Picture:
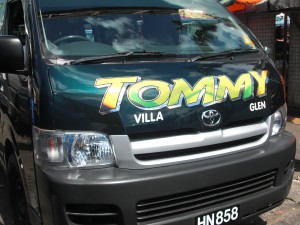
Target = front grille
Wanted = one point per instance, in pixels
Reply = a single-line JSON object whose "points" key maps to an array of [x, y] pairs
{"points": [[192, 151], [160, 134], [94, 214], [162, 207], [168, 150]]}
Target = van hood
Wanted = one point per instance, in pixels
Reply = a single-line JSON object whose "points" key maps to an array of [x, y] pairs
{"points": [[152, 98]]}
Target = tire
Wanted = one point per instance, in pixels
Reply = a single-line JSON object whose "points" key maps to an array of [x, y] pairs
{"points": [[17, 193]]}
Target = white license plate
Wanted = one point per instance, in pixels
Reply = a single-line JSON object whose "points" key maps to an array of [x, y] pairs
{"points": [[224, 216]]}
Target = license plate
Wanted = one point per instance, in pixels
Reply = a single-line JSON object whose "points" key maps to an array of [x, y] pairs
{"points": [[223, 216]]}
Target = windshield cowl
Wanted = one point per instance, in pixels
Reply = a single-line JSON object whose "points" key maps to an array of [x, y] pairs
{"points": [[123, 56], [229, 53]]}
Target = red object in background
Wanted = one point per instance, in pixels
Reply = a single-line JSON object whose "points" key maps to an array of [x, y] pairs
{"points": [[241, 5], [248, 1]]}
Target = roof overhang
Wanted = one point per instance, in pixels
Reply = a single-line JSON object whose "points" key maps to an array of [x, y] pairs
{"points": [[259, 5], [284, 4]]}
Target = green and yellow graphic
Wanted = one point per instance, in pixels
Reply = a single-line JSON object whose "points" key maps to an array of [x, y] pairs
{"points": [[208, 90]]}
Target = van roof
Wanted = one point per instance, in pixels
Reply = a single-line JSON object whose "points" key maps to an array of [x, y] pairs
{"points": [[58, 5]]}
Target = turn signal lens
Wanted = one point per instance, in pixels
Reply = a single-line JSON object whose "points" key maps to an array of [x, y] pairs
{"points": [[279, 120]]}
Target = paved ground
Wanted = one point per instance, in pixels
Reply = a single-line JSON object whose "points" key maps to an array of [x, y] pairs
{"points": [[287, 214]]}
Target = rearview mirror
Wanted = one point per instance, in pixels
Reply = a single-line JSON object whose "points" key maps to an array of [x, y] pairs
{"points": [[11, 54]]}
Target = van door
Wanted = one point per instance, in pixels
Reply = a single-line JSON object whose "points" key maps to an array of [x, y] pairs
{"points": [[17, 122], [3, 101]]}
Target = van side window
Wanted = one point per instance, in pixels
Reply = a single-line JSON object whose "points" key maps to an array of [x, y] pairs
{"points": [[2, 13], [16, 24], [16, 20]]}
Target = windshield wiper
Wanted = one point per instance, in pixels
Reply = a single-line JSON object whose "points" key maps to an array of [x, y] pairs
{"points": [[120, 56], [223, 54]]}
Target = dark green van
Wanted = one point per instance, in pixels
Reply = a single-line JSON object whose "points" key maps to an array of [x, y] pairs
{"points": [[138, 112]]}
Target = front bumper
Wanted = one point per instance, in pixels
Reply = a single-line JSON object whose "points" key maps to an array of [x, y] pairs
{"points": [[74, 196]]}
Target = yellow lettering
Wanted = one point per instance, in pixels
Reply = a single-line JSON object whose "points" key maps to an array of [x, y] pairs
{"points": [[116, 88], [244, 84], [203, 89], [158, 100], [262, 81]]}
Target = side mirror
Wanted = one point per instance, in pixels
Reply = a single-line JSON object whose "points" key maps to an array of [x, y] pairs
{"points": [[268, 51], [11, 54]]}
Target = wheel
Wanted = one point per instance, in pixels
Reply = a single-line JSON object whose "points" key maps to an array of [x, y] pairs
{"points": [[70, 38], [17, 193]]}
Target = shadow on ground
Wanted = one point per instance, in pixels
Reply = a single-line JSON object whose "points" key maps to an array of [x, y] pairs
{"points": [[255, 221]]}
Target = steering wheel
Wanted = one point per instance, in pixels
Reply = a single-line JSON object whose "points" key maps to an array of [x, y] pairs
{"points": [[70, 38]]}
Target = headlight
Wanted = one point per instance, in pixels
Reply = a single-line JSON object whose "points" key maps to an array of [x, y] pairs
{"points": [[72, 149], [279, 120]]}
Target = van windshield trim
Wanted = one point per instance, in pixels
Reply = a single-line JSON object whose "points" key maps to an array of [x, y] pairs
{"points": [[95, 12]]}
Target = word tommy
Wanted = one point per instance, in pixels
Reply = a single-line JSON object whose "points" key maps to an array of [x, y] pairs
{"points": [[206, 91]]}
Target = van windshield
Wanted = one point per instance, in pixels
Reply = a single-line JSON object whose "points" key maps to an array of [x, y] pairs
{"points": [[185, 29]]}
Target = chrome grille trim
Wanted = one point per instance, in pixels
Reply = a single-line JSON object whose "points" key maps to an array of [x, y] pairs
{"points": [[197, 140], [125, 149]]}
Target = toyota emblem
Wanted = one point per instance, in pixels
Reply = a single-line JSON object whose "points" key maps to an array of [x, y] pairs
{"points": [[211, 118]]}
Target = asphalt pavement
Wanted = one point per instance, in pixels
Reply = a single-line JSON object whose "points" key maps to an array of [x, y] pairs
{"points": [[289, 212], [286, 214]]}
